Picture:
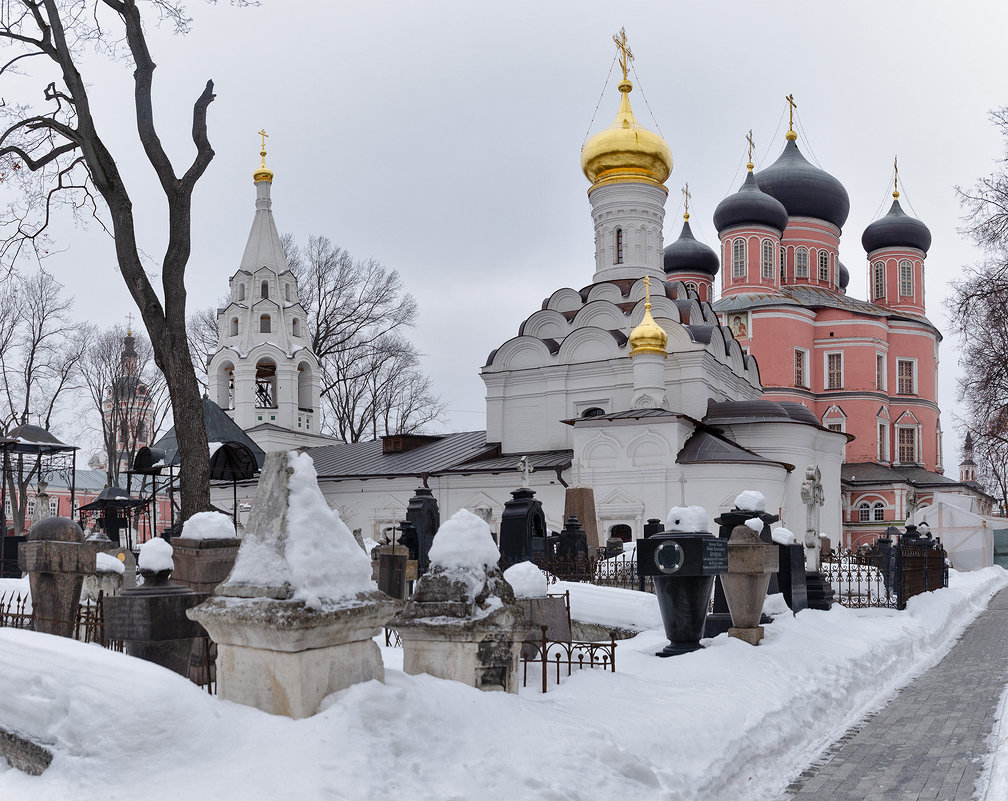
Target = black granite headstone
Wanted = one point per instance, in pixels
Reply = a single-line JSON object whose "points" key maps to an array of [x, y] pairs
{"points": [[522, 522], [791, 578], [422, 511]]}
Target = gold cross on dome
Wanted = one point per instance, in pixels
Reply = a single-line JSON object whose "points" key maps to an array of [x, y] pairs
{"points": [[262, 152], [752, 144], [625, 55], [647, 291], [687, 196], [129, 324], [793, 105], [895, 179]]}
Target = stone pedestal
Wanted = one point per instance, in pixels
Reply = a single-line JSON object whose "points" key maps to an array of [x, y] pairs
{"points": [[447, 634], [151, 620], [56, 559], [751, 563], [579, 502], [283, 658], [203, 564], [720, 620]]}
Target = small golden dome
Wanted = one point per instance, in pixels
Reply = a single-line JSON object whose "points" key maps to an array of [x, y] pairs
{"points": [[626, 151], [262, 173], [648, 337]]}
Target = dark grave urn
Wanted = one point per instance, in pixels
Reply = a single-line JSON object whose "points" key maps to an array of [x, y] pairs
{"points": [[683, 567], [751, 563], [422, 511], [523, 528], [720, 620], [56, 558], [151, 620]]}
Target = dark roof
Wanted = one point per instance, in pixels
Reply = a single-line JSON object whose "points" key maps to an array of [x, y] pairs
{"points": [[547, 460], [750, 205], [707, 447], [762, 411], [815, 297], [34, 439], [219, 428], [353, 459], [896, 229], [805, 190], [857, 473], [631, 414], [687, 254]]}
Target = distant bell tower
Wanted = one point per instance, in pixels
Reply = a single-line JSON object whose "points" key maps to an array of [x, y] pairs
{"points": [[264, 373], [967, 467], [127, 406]]}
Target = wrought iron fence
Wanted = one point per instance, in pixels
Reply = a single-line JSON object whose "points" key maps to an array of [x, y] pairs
{"points": [[614, 571], [556, 654], [887, 575], [87, 625]]}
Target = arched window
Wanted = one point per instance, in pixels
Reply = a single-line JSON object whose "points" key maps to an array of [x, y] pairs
{"points": [[265, 388], [906, 279], [287, 295], [768, 250], [621, 531], [619, 246], [801, 263], [296, 327], [54, 506], [878, 511], [878, 280], [738, 258], [241, 291], [264, 290], [594, 411], [30, 507], [234, 326], [823, 265], [783, 261], [864, 512], [305, 403], [691, 285], [264, 324]]}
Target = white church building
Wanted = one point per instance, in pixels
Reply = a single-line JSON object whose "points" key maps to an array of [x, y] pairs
{"points": [[628, 386]]}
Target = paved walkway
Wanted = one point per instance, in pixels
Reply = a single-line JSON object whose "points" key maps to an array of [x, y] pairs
{"points": [[930, 740]]}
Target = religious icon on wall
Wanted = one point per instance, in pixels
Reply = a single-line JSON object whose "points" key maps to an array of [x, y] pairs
{"points": [[739, 325]]}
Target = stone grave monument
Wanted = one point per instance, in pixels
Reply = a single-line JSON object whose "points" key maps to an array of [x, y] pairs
{"points": [[205, 551], [151, 619], [820, 593], [523, 524], [579, 502], [294, 620], [422, 511], [57, 559], [751, 564], [107, 579], [462, 622]]}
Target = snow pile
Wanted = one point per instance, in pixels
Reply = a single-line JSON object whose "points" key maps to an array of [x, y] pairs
{"points": [[106, 563], [755, 524], [745, 721], [686, 519], [324, 558], [527, 580], [156, 555], [993, 782], [369, 545], [611, 606], [209, 526], [464, 550], [783, 536], [751, 501], [776, 605]]}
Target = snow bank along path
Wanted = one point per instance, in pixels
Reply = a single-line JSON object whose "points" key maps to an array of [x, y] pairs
{"points": [[728, 722]]}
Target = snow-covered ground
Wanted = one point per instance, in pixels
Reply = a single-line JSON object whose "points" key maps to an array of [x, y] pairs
{"points": [[728, 722]]}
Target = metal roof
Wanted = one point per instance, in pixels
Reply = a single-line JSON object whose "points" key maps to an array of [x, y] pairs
{"points": [[219, 428], [353, 459], [547, 460], [706, 446], [874, 473], [631, 414]]}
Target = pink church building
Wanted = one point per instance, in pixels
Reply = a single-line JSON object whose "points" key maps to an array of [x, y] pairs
{"points": [[868, 368]]}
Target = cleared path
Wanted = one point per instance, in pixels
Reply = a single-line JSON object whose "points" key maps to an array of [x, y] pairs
{"points": [[930, 740]]}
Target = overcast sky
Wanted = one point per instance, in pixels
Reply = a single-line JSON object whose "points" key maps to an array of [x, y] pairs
{"points": [[444, 139]]}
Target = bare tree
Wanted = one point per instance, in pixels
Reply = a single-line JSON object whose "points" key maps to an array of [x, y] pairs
{"points": [[127, 394], [372, 383], [40, 348], [203, 340], [70, 164], [978, 308]]}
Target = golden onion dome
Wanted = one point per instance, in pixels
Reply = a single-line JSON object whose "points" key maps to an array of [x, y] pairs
{"points": [[626, 151], [263, 173], [648, 337]]}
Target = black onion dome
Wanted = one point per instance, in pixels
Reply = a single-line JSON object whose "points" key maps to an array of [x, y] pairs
{"points": [[688, 254], [805, 190], [844, 278], [750, 205], [896, 229]]}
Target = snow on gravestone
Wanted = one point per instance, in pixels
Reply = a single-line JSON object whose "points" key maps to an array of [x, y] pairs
{"points": [[208, 526], [156, 556], [751, 501], [686, 519], [295, 546], [464, 550]]}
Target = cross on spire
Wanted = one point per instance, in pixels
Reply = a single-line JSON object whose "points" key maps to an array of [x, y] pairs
{"points": [[687, 196], [895, 180], [129, 324], [793, 105], [262, 153], [752, 144], [625, 56], [647, 291]]}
